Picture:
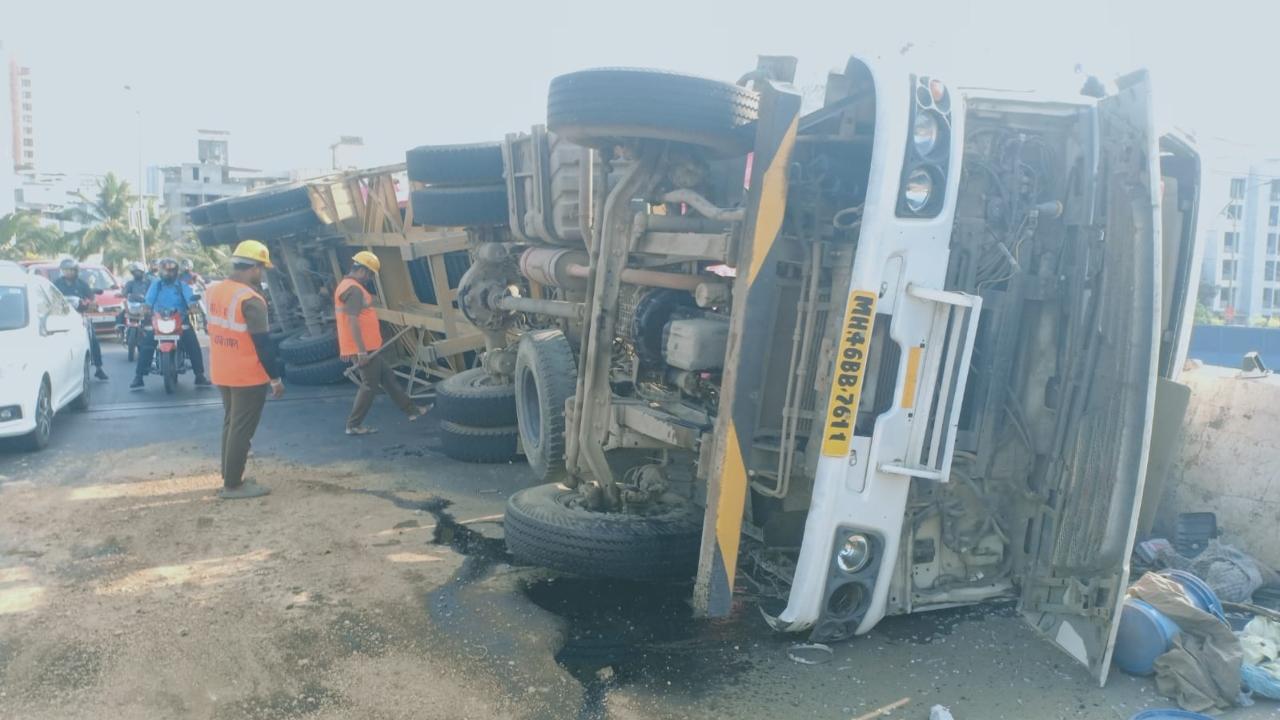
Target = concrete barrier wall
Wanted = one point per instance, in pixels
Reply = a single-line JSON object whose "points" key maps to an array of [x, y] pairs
{"points": [[1229, 460], [1225, 345]]}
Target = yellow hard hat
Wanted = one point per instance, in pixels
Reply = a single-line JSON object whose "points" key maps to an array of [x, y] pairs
{"points": [[367, 259], [253, 250]]}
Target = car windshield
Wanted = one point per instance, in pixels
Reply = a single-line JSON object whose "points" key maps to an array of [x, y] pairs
{"points": [[13, 308], [97, 278]]}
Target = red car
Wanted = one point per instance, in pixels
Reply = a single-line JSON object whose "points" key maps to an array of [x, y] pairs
{"points": [[98, 277]]}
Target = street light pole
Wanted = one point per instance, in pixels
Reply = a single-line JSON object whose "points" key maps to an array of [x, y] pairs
{"points": [[141, 211]]}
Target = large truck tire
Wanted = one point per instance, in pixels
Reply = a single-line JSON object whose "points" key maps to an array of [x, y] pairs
{"points": [[218, 212], [460, 206], [598, 107], [277, 226], [258, 205], [479, 444], [546, 377], [198, 215], [224, 234], [303, 349], [474, 164], [476, 398], [544, 527], [325, 372]]}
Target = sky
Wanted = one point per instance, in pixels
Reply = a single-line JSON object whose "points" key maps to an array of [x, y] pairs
{"points": [[287, 78]]}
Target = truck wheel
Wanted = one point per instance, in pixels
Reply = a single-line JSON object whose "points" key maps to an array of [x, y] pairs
{"points": [[460, 206], [224, 234], [596, 108], [474, 164], [217, 212], [255, 206], [304, 349], [545, 526], [325, 372], [476, 398], [479, 444], [198, 215], [546, 377], [277, 226]]}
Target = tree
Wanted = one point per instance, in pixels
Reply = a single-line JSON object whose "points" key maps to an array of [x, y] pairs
{"points": [[106, 217], [23, 237]]}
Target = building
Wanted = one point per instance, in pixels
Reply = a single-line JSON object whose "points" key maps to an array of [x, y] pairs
{"points": [[1240, 226], [10, 128], [21, 116], [52, 194], [209, 178]]}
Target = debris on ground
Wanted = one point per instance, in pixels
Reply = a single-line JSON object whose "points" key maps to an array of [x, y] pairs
{"points": [[939, 712]]}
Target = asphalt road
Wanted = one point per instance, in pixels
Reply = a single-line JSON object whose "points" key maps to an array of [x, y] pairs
{"points": [[634, 650]]}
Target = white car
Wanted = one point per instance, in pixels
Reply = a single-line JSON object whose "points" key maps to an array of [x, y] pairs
{"points": [[44, 360]]}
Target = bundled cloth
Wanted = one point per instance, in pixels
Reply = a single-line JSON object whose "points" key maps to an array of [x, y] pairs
{"points": [[1202, 670], [1232, 573]]}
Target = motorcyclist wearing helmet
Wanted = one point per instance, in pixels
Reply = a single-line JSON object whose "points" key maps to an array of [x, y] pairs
{"points": [[69, 283], [134, 290], [169, 294]]}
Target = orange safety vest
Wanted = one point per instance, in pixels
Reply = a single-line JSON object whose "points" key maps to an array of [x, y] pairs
{"points": [[233, 358], [370, 332]]}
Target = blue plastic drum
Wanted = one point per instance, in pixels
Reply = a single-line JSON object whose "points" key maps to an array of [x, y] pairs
{"points": [[1145, 634], [1198, 590]]}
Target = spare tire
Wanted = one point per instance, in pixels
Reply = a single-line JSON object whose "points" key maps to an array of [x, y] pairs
{"points": [[476, 398], [460, 206], [277, 226], [302, 349], [598, 107], [205, 236], [474, 164], [544, 526], [269, 202], [479, 444], [325, 372], [546, 377]]}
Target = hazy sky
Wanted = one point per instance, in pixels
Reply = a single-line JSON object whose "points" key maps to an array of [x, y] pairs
{"points": [[286, 78]]}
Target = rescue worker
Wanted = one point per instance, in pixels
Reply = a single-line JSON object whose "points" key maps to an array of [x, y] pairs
{"points": [[70, 284], [359, 338], [168, 294], [243, 362]]}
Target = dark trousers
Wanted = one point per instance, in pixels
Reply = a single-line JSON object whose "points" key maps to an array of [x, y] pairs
{"points": [[95, 350], [187, 341], [241, 411], [374, 375]]}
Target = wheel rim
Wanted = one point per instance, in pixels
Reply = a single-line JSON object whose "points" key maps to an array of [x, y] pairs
{"points": [[44, 413], [531, 409]]}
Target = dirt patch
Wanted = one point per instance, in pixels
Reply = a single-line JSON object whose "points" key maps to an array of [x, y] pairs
{"points": [[143, 596]]}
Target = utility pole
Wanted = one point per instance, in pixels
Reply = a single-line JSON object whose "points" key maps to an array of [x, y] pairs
{"points": [[140, 209]]}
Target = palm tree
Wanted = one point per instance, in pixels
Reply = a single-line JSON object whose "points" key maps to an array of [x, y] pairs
{"points": [[24, 237], [106, 216]]}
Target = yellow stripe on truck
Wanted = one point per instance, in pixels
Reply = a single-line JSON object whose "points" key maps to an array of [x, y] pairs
{"points": [[851, 366], [733, 498], [773, 203], [913, 376]]}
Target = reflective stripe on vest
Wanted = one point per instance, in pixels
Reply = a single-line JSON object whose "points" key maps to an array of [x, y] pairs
{"points": [[233, 358], [367, 320]]}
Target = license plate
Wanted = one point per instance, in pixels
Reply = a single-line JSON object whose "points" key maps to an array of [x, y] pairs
{"points": [[851, 365]]}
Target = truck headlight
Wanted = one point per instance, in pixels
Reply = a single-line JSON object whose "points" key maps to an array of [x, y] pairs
{"points": [[925, 133], [917, 190], [854, 554]]}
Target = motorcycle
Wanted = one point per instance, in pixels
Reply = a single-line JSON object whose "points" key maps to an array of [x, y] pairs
{"points": [[168, 355], [130, 333]]}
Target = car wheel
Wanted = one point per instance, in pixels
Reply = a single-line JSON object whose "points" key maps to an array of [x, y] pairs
{"points": [[597, 108], [38, 439], [548, 527], [546, 377], [81, 402]]}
